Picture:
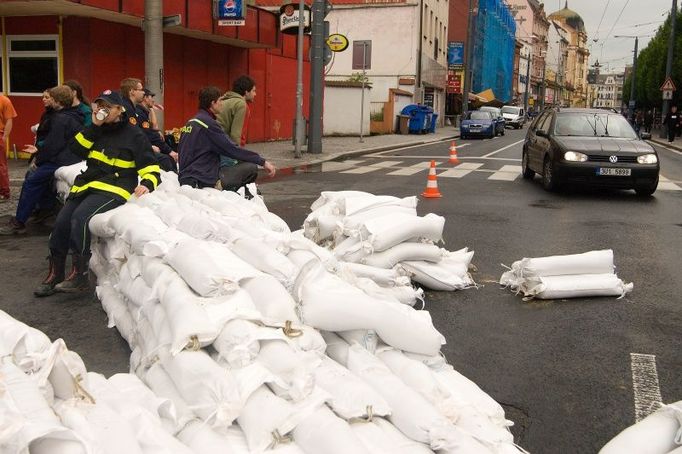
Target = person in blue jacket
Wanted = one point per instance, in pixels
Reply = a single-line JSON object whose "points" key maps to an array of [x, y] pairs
{"points": [[203, 141]]}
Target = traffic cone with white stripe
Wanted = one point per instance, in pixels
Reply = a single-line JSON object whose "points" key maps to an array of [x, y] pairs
{"points": [[431, 190], [453, 153]]}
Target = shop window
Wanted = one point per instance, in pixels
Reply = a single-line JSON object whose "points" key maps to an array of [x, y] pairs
{"points": [[33, 63]]}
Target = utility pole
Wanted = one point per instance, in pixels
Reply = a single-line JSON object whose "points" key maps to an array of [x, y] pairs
{"points": [[669, 62], [153, 51], [318, 12], [525, 95], [631, 104], [300, 123], [468, 74]]}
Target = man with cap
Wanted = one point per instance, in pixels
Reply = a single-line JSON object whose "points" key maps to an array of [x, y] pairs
{"points": [[147, 105], [117, 154]]}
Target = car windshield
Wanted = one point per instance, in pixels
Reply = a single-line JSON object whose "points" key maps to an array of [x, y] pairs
{"points": [[593, 124], [478, 115], [510, 110], [493, 110]]}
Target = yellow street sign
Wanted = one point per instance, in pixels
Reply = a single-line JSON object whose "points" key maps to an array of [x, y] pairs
{"points": [[337, 42]]}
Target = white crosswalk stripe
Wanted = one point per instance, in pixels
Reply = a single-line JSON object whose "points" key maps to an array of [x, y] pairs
{"points": [[506, 173], [667, 185], [416, 168], [333, 166], [461, 170], [372, 167]]}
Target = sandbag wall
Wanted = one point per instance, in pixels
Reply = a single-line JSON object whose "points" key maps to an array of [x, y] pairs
{"points": [[244, 324]]}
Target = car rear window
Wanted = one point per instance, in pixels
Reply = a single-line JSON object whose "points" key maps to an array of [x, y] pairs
{"points": [[510, 110], [479, 115], [593, 124]]}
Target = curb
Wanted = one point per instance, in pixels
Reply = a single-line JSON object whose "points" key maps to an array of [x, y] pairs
{"points": [[289, 170], [666, 144]]}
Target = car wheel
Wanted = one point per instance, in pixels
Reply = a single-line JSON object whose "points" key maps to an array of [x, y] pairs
{"points": [[647, 189], [526, 171], [549, 180]]}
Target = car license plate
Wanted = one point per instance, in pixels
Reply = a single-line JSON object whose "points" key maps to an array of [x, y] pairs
{"points": [[614, 172], [475, 129]]}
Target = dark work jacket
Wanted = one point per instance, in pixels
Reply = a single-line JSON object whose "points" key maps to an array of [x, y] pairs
{"points": [[672, 120], [202, 142], [139, 117], [44, 126], [117, 154], [53, 146]]}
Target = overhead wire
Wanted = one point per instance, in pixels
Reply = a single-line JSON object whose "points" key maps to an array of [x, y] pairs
{"points": [[602, 18]]}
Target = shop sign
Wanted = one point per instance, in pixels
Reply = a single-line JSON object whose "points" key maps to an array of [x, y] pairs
{"points": [[288, 19], [230, 12]]}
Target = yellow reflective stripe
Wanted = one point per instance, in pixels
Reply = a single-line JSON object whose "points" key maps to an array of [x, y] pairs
{"points": [[99, 156], [83, 141], [148, 169], [103, 187], [151, 177], [200, 122]]}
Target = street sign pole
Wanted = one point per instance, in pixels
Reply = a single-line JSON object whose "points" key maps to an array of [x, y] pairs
{"points": [[362, 95], [299, 82]]}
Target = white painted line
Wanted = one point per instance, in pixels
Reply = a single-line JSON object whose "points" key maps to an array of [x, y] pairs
{"points": [[669, 149], [416, 168], [503, 148], [373, 167], [461, 170], [332, 166], [459, 157], [666, 185], [382, 153], [645, 384], [506, 173]]}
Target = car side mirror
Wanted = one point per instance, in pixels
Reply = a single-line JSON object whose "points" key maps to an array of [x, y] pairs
{"points": [[645, 136], [541, 133]]}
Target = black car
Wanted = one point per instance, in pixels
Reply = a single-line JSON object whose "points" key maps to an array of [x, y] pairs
{"points": [[588, 146]]}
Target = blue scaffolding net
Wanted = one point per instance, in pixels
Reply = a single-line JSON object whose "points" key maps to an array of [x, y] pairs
{"points": [[493, 54]]}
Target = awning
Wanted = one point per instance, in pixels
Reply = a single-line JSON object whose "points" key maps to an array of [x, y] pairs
{"points": [[489, 98]]}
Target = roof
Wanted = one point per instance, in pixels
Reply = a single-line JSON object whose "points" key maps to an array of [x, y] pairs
{"points": [[571, 18]]}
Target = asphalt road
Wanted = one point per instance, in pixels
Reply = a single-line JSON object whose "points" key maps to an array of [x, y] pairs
{"points": [[562, 369]]}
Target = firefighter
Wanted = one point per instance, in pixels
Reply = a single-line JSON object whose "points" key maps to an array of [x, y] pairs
{"points": [[117, 154]]}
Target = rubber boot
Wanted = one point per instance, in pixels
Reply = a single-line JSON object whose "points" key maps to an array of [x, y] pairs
{"points": [[77, 281], [54, 276]]}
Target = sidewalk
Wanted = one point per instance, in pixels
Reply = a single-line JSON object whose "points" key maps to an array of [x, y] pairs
{"points": [[281, 153], [658, 140]]}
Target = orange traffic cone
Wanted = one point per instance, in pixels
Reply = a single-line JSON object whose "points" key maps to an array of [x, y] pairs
{"points": [[453, 153], [431, 190]]}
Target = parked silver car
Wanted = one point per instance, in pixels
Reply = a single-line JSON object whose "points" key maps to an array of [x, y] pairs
{"points": [[515, 116]]}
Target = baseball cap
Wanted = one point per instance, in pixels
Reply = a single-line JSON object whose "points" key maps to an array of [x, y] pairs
{"points": [[148, 92], [112, 97]]}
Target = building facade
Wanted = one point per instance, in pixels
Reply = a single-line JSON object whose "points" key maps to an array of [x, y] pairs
{"points": [[608, 91], [100, 42], [555, 72]]}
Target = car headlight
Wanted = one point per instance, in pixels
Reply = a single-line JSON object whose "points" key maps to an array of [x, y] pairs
{"points": [[575, 156], [647, 159], [465, 126]]}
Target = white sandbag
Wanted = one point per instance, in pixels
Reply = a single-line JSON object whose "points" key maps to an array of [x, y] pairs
{"points": [[209, 390], [266, 259], [445, 275], [210, 268], [271, 299], [387, 231], [351, 225], [203, 439], [658, 433], [592, 262], [403, 252], [366, 338], [355, 205], [406, 294], [222, 309], [205, 226], [294, 368], [100, 224], [329, 303], [381, 437], [162, 385], [21, 342], [238, 344], [351, 250], [297, 242], [117, 311], [64, 370], [137, 225], [373, 290], [383, 277], [334, 196], [575, 286], [323, 432], [65, 176], [351, 398]]}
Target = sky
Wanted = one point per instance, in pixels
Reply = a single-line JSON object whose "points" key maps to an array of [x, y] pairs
{"points": [[605, 19]]}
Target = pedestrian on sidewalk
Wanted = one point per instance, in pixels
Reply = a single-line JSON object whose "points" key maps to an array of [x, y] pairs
{"points": [[117, 153], [203, 142], [49, 153], [648, 121], [7, 116], [234, 119], [672, 122]]}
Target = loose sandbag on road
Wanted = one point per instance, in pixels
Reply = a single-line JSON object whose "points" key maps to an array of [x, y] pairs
{"points": [[403, 252], [387, 231], [575, 286]]}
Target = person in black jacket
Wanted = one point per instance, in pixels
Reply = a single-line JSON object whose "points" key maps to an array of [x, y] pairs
{"points": [[672, 122], [117, 154], [203, 141], [50, 152]]}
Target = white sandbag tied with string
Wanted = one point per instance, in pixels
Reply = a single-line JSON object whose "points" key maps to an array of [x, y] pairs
{"points": [[266, 259], [24, 344], [381, 437], [404, 252], [575, 286], [64, 178], [451, 273], [383, 277], [381, 233], [660, 432]]}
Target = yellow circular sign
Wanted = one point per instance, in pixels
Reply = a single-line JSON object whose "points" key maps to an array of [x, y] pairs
{"points": [[337, 42]]}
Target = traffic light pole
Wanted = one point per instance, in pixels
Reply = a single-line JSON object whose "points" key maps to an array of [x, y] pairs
{"points": [[318, 12], [669, 63]]}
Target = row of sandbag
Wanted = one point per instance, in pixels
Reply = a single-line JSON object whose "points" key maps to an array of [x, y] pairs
{"points": [[257, 348], [566, 276], [385, 232]]}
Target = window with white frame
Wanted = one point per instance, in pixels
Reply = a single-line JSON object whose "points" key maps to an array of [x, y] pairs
{"points": [[32, 63]]}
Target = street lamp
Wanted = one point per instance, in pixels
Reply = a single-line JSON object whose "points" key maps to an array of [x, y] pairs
{"points": [[631, 104]]}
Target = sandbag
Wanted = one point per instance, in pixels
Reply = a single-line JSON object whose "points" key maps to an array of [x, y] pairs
{"points": [[21, 342], [402, 252], [294, 368], [381, 437], [203, 439], [238, 343], [334, 196], [323, 432], [658, 433], [266, 259], [575, 286], [271, 299], [117, 311], [446, 275], [162, 385], [383, 277], [387, 231]]}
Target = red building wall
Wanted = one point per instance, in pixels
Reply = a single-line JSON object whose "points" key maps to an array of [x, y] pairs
{"points": [[99, 54]]}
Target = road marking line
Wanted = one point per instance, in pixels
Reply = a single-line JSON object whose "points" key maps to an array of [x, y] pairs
{"points": [[506, 173], [461, 170], [669, 149], [458, 157], [372, 167], [667, 185], [332, 166], [503, 148], [382, 153], [416, 168], [645, 384]]}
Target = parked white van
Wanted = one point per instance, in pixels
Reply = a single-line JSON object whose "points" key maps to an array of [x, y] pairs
{"points": [[515, 116]]}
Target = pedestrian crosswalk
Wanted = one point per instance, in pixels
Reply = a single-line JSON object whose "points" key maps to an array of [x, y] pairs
{"points": [[489, 169]]}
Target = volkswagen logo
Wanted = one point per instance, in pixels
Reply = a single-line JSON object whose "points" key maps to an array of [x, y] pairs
{"points": [[613, 159]]}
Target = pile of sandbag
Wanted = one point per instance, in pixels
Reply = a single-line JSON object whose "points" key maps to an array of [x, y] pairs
{"points": [[373, 235], [566, 276], [658, 433], [64, 178], [247, 326]]}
